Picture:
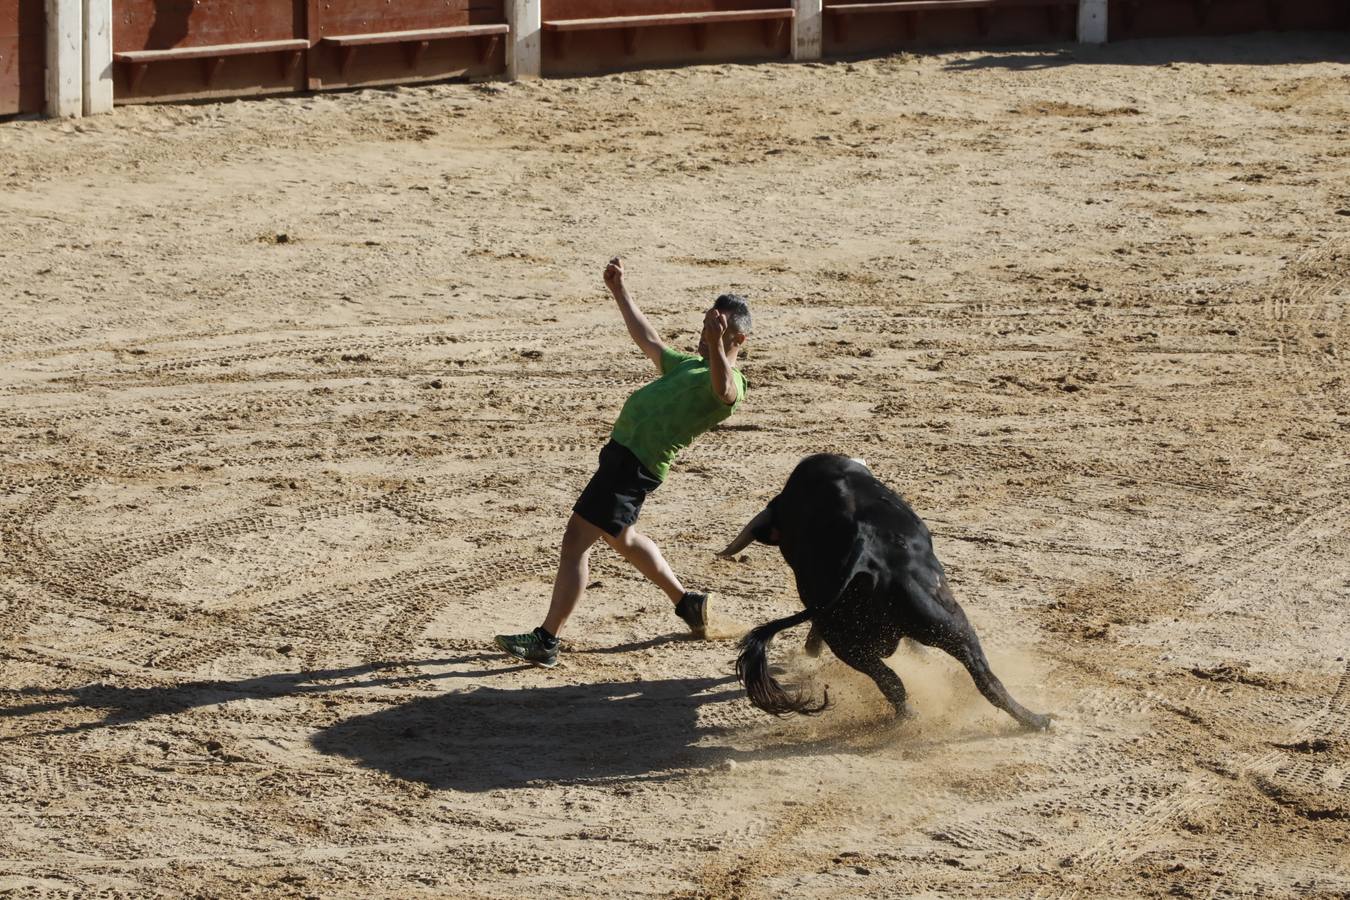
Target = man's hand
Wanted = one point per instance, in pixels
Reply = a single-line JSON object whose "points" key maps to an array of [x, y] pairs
{"points": [[714, 326], [614, 274]]}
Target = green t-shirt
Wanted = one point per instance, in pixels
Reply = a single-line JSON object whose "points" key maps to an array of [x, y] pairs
{"points": [[663, 417]]}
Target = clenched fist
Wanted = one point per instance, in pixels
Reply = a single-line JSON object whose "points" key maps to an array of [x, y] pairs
{"points": [[614, 274], [714, 326]]}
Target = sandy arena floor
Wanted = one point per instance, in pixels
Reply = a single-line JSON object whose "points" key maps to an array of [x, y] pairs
{"points": [[296, 396]]}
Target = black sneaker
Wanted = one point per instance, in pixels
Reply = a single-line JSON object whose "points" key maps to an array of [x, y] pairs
{"points": [[529, 647], [693, 609]]}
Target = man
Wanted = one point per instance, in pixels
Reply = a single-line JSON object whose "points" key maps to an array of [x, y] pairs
{"points": [[693, 394]]}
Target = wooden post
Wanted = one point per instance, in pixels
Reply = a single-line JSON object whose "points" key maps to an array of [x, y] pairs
{"points": [[65, 67], [314, 55], [808, 30], [98, 60], [1092, 21], [525, 43]]}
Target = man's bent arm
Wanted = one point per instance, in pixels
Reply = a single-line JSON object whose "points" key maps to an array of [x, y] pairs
{"points": [[723, 382], [723, 379]]}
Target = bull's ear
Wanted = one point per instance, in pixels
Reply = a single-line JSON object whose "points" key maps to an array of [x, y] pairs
{"points": [[762, 527]]}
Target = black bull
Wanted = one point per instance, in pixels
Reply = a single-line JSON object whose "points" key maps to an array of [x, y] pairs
{"points": [[867, 574]]}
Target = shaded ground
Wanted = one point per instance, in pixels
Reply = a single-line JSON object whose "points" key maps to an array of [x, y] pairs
{"points": [[296, 395]]}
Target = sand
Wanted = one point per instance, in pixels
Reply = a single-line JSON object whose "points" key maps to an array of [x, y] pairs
{"points": [[296, 394]]}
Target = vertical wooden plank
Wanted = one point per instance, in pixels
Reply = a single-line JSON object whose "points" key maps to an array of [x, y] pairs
{"points": [[808, 29], [65, 63], [524, 45], [1092, 21], [313, 31], [98, 61]]}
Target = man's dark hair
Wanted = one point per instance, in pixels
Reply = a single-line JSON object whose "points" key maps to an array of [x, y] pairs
{"points": [[737, 310]]}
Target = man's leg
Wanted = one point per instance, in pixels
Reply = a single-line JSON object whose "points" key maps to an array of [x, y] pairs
{"points": [[574, 569], [541, 645], [646, 557]]}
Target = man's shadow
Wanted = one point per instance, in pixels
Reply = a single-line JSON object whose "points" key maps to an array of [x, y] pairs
{"points": [[127, 705], [474, 739], [485, 739]]}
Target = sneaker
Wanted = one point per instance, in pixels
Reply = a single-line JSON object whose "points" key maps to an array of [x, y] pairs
{"points": [[529, 647], [693, 609]]}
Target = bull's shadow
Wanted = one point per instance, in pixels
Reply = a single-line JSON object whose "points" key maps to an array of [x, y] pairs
{"points": [[488, 738]]}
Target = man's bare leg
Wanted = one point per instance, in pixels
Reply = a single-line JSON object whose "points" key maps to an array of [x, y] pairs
{"points": [[646, 557], [574, 567]]}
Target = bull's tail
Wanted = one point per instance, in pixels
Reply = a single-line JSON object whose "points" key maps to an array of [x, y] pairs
{"points": [[752, 666]]}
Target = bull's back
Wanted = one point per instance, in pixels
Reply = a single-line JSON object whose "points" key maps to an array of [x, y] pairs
{"points": [[828, 496]]}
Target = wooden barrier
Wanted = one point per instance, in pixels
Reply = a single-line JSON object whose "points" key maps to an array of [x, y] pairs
{"points": [[69, 57], [180, 49], [23, 56], [596, 35], [357, 42], [177, 49], [904, 23], [1170, 18]]}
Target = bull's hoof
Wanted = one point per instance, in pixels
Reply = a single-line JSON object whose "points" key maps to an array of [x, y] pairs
{"points": [[1038, 722]]}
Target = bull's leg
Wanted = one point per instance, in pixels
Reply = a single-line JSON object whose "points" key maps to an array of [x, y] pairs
{"points": [[871, 665], [936, 619], [965, 646], [813, 642]]}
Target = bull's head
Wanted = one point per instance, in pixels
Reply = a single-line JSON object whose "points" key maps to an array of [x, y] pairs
{"points": [[760, 528]]}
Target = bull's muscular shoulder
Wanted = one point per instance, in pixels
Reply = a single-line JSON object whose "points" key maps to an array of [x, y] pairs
{"points": [[825, 465], [816, 478], [827, 492]]}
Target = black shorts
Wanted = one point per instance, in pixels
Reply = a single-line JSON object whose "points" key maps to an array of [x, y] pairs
{"points": [[613, 498]]}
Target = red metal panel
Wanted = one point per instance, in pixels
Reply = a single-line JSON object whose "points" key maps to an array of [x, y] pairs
{"points": [[23, 56], [331, 66], [604, 9], [1006, 22], [1176, 18], [181, 24], [164, 24], [603, 50], [371, 16]]}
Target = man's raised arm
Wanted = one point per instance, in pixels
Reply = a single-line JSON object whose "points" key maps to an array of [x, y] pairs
{"points": [[639, 329]]}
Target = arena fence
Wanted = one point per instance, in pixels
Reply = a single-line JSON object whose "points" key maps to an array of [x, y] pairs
{"points": [[23, 56], [74, 57]]}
